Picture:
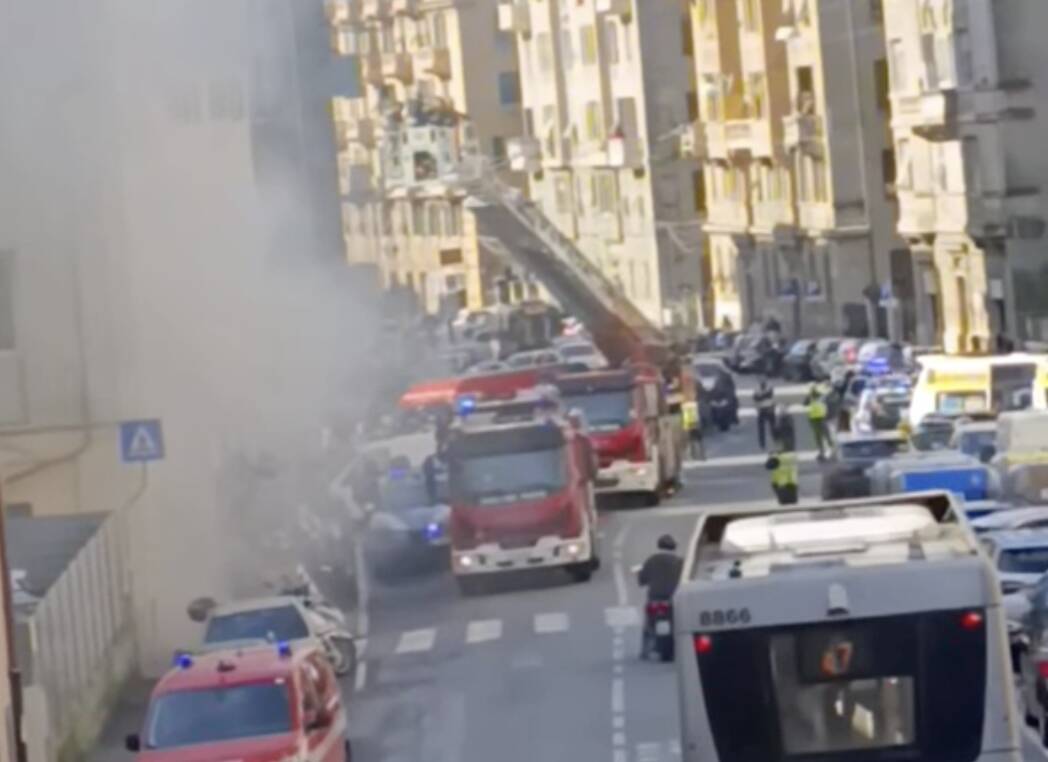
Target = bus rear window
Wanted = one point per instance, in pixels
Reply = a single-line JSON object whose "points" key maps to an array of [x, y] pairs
{"points": [[959, 403]]}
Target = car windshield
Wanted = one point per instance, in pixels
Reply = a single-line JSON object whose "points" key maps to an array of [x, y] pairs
{"points": [[872, 351], [272, 624], [1023, 560], [495, 479], [975, 442], [800, 348], [189, 718], [604, 411], [404, 494], [960, 403], [522, 361]]}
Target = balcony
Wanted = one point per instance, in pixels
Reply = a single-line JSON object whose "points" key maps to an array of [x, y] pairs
{"points": [[802, 132], [374, 10], [750, 137], [625, 152], [609, 226], [404, 8], [397, 66], [728, 215], [359, 131], [435, 61], [622, 8], [916, 213], [693, 142], [342, 12], [975, 215], [515, 17], [775, 217], [816, 215], [932, 115], [525, 154], [354, 176]]}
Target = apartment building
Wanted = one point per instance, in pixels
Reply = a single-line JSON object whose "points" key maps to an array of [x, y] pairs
{"points": [[607, 87], [793, 133], [439, 81], [967, 77]]}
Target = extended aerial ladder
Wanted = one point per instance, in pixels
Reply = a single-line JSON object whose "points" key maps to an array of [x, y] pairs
{"points": [[511, 226]]}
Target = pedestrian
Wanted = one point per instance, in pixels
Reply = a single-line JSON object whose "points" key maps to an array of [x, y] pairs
{"points": [[689, 411], [816, 404], [764, 399], [785, 434], [783, 467]]}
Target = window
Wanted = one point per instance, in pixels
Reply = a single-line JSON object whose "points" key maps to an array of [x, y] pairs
{"points": [[877, 12], [509, 88], [698, 182], [818, 169], [904, 160], [418, 219], [805, 90], [606, 193], [544, 45], [757, 96], [440, 30], [594, 122], [687, 41], [588, 44], [750, 15], [972, 166], [562, 192], [944, 60], [931, 70], [881, 85], [963, 43], [435, 222], [898, 65], [888, 170], [692, 100], [567, 48], [611, 40]]}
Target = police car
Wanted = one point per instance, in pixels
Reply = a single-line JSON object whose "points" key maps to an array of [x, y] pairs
{"points": [[859, 630]]}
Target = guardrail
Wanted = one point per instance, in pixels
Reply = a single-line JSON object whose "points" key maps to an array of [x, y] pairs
{"points": [[79, 646]]}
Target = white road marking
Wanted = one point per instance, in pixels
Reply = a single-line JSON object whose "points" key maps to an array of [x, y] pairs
{"points": [[675, 747], [1034, 739], [484, 630], [618, 722], [650, 751], [743, 460], [617, 669], [619, 755], [618, 696], [361, 678], [525, 660], [551, 622], [620, 537], [622, 593], [618, 738], [751, 412], [622, 616], [416, 641]]}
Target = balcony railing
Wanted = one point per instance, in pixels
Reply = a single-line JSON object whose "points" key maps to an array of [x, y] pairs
{"points": [[802, 131], [728, 214], [435, 61], [374, 10], [525, 154], [693, 142], [372, 68], [360, 131], [748, 136], [623, 8], [515, 17], [404, 8]]}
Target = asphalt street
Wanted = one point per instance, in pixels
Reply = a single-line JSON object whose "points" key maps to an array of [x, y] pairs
{"points": [[541, 668]]}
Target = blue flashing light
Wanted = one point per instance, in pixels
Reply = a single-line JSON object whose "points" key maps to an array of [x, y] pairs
{"points": [[465, 405], [284, 649], [434, 531], [398, 474], [183, 661]]}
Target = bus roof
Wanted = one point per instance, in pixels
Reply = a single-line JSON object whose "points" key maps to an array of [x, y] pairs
{"points": [[898, 529]]}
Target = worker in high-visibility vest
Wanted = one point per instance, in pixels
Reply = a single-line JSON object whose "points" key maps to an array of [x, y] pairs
{"points": [[689, 414], [783, 467], [817, 412]]}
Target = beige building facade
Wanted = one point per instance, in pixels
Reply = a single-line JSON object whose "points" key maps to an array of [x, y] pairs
{"points": [[793, 134], [608, 86], [967, 79], [438, 82]]}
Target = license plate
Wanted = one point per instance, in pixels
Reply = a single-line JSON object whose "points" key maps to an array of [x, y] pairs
{"points": [[662, 628]]}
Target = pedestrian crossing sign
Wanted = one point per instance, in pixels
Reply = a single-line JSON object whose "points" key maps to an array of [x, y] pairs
{"points": [[141, 441]]}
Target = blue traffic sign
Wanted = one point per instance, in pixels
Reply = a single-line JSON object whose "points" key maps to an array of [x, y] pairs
{"points": [[141, 441]]}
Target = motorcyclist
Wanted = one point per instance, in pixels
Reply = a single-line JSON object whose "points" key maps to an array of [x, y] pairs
{"points": [[660, 574]]}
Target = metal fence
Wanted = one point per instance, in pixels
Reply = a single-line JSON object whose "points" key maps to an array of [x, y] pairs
{"points": [[80, 645]]}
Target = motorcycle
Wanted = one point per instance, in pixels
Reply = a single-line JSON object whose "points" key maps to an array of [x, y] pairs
{"points": [[658, 630], [329, 623], [721, 413]]}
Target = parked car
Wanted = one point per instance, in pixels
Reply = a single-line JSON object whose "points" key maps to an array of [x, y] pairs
{"points": [[879, 357], [881, 408], [852, 455], [935, 432], [742, 345], [796, 365], [1032, 517], [975, 438], [821, 361], [487, 366], [718, 392], [583, 353], [535, 358], [1027, 611]]}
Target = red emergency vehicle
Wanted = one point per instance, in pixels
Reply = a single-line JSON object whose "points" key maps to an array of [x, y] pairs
{"points": [[522, 497], [635, 431], [262, 703], [489, 386]]}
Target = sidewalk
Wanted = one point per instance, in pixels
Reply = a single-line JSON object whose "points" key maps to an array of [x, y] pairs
{"points": [[126, 717]]}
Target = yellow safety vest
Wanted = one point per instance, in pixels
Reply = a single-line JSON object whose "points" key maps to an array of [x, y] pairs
{"points": [[785, 474], [689, 413], [817, 409]]}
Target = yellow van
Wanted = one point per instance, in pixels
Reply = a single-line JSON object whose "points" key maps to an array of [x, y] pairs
{"points": [[956, 386]]}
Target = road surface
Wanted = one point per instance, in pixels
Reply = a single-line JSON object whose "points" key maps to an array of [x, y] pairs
{"points": [[542, 668]]}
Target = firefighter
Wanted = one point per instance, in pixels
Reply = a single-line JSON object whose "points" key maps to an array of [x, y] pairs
{"points": [[689, 414], [817, 412], [783, 467]]}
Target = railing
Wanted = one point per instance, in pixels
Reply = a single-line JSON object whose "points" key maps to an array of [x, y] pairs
{"points": [[80, 645]]}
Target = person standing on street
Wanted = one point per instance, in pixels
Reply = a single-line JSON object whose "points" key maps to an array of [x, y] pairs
{"points": [[764, 399], [783, 467], [689, 412], [817, 411], [785, 435]]}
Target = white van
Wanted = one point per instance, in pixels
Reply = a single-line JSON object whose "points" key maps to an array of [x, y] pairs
{"points": [[858, 630], [956, 386]]}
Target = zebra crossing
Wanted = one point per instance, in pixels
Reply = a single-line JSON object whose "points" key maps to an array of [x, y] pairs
{"points": [[480, 631]]}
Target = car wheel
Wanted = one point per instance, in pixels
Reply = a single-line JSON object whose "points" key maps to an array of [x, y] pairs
{"points": [[581, 572], [652, 499], [344, 652]]}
